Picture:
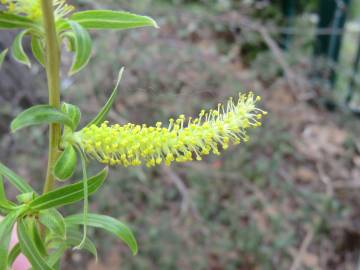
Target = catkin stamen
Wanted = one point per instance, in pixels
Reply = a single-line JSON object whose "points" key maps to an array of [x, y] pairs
{"points": [[139, 144], [32, 8]]}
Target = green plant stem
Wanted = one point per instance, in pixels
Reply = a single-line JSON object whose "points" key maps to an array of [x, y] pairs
{"points": [[53, 78]]}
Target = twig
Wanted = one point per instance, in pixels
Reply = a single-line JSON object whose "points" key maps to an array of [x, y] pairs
{"points": [[295, 82], [279, 57], [186, 203], [303, 250], [325, 179], [275, 49], [355, 184]]}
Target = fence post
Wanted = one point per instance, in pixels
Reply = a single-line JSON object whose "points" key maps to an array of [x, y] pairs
{"points": [[352, 83], [288, 9], [332, 16]]}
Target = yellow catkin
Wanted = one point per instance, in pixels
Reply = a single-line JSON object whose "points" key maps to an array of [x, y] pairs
{"points": [[32, 8], [182, 140]]}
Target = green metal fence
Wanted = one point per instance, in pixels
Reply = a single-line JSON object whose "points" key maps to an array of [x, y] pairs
{"points": [[333, 15]]}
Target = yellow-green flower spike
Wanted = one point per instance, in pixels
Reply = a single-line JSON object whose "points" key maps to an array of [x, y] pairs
{"points": [[32, 8], [183, 140]]}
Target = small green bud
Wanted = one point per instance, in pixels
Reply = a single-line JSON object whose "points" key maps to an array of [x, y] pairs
{"points": [[73, 112], [25, 197]]}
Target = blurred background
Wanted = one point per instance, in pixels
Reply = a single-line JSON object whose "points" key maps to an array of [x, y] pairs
{"points": [[288, 199]]}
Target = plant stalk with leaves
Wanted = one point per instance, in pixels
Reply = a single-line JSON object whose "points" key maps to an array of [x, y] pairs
{"points": [[44, 234]]}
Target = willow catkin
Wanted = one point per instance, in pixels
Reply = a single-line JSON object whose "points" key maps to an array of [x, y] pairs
{"points": [[182, 140]]}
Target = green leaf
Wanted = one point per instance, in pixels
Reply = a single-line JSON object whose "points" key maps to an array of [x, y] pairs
{"points": [[73, 112], [12, 21], [40, 114], [68, 194], [6, 207], [55, 257], [38, 49], [66, 163], [2, 56], [6, 226], [29, 248], [15, 179], [86, 200], [108, 19], [109, 224], [69, 37], [101, 116], [5, 204], [14, 253], [83, 46], [2, 189], [73, 238], [35, 233], [17, 49], [54, 221]]}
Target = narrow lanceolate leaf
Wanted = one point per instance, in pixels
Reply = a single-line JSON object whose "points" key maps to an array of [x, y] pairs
{"points": [[109, 224], [40, 114], [101, 116], [14, 179], [83, 46], [54, 222], [35, 234], [6, 226], [5, 204], [56, 255], [14, 253], [108, 19], [86, 201], [38, 50], [65, 164], [2, 56], [68, 194], [17, 49], [29, 248], [2, 189], [73, 238], [12, 21], [69, 39]]}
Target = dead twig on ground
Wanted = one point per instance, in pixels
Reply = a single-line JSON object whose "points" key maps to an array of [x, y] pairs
{"points": [[187, 202], [300, 254], [325, 179], [355, 184], [297, 84]]}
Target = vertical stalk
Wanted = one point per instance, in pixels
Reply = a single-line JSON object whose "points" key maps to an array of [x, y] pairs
{"points": [[53, 78]]}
